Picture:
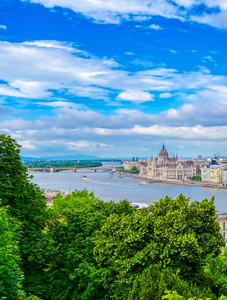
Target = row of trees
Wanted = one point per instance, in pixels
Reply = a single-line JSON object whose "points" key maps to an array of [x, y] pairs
{"points": [[84, 248], [63, 164], [134, 170]]}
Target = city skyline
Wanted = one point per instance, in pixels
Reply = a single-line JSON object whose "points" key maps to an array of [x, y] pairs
{"points": [[113, 78]]}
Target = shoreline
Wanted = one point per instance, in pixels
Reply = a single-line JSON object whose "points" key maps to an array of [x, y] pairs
{"points": [[177, 182]]}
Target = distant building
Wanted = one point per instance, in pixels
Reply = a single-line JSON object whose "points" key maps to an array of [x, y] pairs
{"points": [[199, 157], [216, 173], [128, 165], [222, 220], [135, 159], [205, 173], [164, 167], [224, 176]]}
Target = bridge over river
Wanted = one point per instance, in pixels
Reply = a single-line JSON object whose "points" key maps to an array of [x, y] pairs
{"points": [[53, 170]]}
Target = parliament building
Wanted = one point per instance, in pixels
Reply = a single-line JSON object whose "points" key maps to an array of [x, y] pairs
{"points": [[164, 167]]}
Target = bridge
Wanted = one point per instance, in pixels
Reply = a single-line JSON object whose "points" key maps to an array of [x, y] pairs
{"points": [[53, 170]]}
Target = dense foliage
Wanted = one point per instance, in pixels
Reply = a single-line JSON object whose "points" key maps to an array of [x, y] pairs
{"points": [[134, 170], [84, 248], [27, 206], [11, 275], [63, 164], [196, 178]]}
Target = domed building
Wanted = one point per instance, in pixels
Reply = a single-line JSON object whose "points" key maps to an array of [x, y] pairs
{"points": [[163, 154], [164, 167]]}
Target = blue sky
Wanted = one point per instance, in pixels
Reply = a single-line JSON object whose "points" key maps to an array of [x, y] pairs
{"points": [[114, 78]]}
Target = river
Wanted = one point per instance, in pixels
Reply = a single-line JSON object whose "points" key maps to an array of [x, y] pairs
{"points": [[117, 188]]}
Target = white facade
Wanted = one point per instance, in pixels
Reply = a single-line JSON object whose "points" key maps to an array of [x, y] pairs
{"points": [[128, 165], [222, 220], [167, 168], [205, 173], [224, 176], [216, 174]]}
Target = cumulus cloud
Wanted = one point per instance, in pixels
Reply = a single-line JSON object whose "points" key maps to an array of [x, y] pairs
{"points": [[27, 145], [74, 129], [155, 27], [10, 91], [3, 27], [135, 96], [38, 69], [165, 95], [84, 145], [114, 11]]}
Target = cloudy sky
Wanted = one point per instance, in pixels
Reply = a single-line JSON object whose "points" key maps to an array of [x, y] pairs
{"points": [[114, 78]]}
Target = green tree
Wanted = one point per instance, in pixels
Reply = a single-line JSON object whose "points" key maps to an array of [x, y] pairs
{"points": [[27, 204], [11, 276], [216, 272], [134, 170], [154, 281], [177, 234], [123, 249], [184, 234], [73, 271]]}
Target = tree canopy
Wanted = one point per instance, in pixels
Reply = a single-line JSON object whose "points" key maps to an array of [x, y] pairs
{"points": [[27, 205]]}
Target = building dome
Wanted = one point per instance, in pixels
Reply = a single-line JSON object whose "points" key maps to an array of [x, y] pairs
{"points": [[163, 154]]}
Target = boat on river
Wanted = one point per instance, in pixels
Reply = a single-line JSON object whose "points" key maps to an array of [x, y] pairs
{"points": [[143, 183]]}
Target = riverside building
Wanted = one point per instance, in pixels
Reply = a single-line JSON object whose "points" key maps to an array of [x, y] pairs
{"points": [[164, 167], [214, 174]]}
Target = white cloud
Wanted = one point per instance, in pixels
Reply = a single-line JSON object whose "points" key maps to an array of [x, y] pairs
{"points": [[10, 91], [114, 11], [173, 51], [135, 96], [72, 129], [3, 27], [84, 145], [59, 104], [165, 95], [182, 113], [26, 144], [155, 27], [183, 133], [34, 70]]}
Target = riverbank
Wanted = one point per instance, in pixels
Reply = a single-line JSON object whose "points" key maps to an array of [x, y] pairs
{"points": [[177, 182]]}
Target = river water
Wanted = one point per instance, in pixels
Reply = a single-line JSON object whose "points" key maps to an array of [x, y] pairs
{"points": [[117, 188]]}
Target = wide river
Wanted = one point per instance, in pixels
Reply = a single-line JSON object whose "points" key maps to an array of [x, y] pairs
{"points": [[117, 188]]}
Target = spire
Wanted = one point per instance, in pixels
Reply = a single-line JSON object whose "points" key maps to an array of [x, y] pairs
{"points": [[153, 157], [149, 155], [163, 146]]}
